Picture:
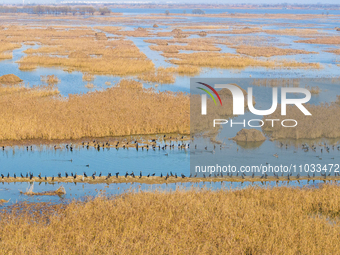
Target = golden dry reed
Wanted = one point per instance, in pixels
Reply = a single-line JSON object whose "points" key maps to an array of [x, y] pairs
{"points": [[268, 51], [49, 79], [76, 48], [279, 220], [5, 47], [227, 60], [167, 75], [125, 109]]}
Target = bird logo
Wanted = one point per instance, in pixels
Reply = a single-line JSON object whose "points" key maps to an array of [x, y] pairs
{"points": [[209, 93]]}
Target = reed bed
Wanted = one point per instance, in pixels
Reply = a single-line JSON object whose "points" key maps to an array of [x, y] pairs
{"points": [[322, 40], [293, 32], [276, 82], [268, 51], [9, 79], [250, 40], [161, 75], [324, 122], [49, 79], [4, 56], [315, 90], [217, 60], [334, 51], [167, 75], [88, 77], [280, 220], [124, 109], [89, 85], [5, 47], [177, 48], [138, 32], [78, 48]]}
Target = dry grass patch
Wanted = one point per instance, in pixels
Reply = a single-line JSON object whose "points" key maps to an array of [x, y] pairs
{"points": [[322, 40], [293, 32], [255, 51], [314, 90], [78, 48], [161, 75], [276, 82], [4, 56], [49, 79], [249, 221], [9, 78], [89, 86], [124, 109], [336, 51], [190, 46], [88, 77], [7, 46], [295, 64]]}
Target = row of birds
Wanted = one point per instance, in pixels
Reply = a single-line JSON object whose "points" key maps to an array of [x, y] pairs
{"points": [[243, 175], [324, 147], [84, 175]]}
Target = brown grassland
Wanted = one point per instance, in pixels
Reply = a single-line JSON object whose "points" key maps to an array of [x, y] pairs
{"points": [[124, 109], [279, 220]]}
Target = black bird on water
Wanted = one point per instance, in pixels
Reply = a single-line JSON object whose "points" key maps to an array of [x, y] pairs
{"points": [[126, 174], [8, 175], [66, 175], [39, 175], [117, 174], [153, 174], [53, 178], [182, 175], [45, 178], [14, 176], [161, 175], [75, 176], [59, 175], [100, 175], [148, 175], [140, 174], [21, 175], [133, 174], [2, 176], [85, 175]]}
